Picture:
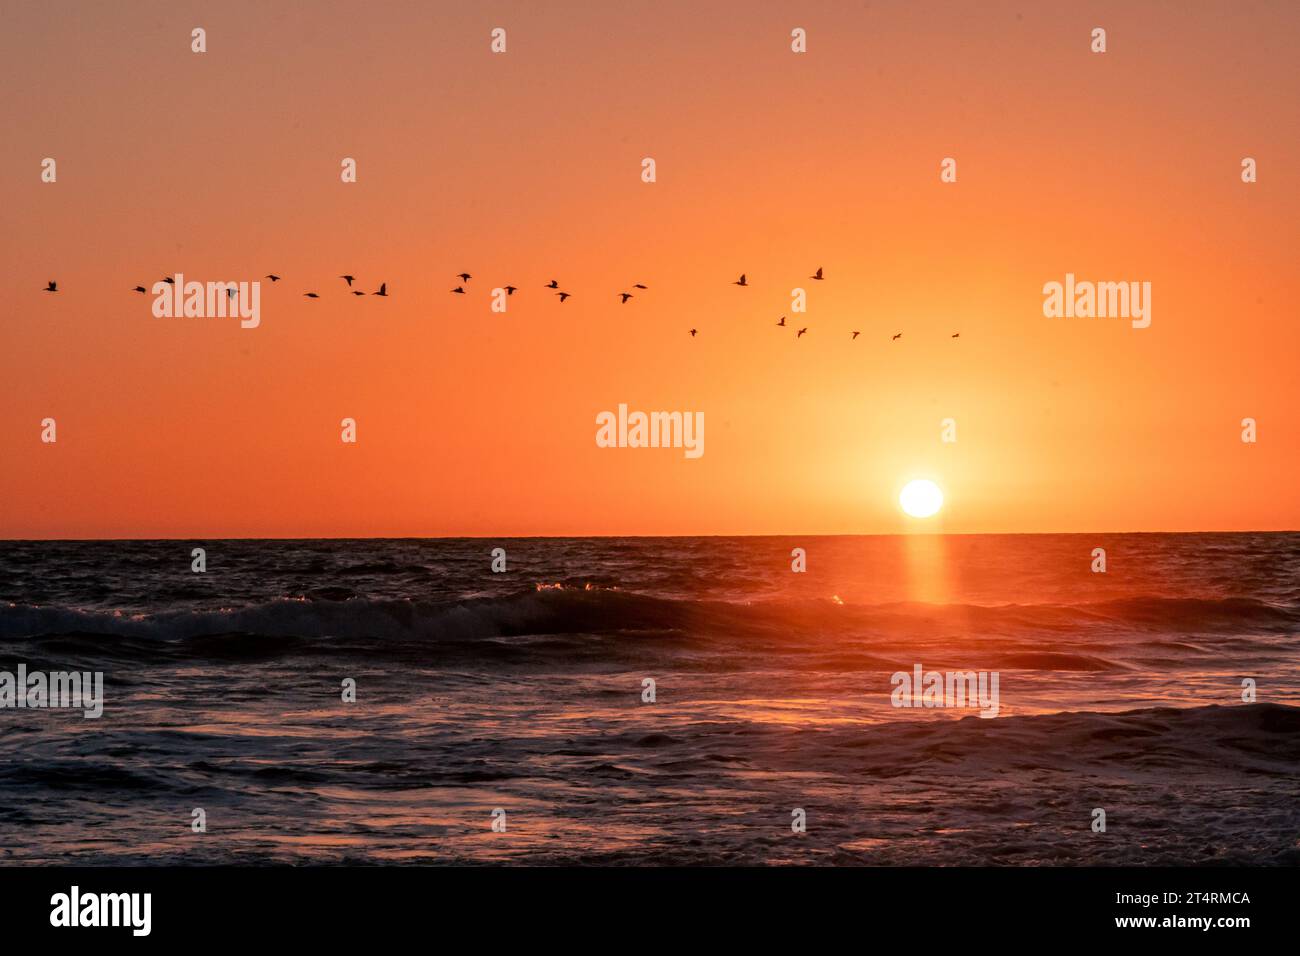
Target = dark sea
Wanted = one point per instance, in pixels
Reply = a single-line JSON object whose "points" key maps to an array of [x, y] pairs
{"points": [[1164, 691]]}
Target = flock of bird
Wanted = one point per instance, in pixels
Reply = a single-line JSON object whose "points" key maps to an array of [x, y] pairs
{"points": [[819, 276], [553, 285]]}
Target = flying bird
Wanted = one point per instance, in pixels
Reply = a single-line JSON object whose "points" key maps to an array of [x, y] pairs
{"points": [[169, 280], [277, 278], [782, 322], [817, 275], [52, 287], [311, 295], [459, 290], [855, 335], [511, 290], [741, 281], [383, 289], [800, 332], [897, 337], [464, 277], [232, 292], [554, 284], [692, 333], [563, 296], [626, 296], [139, 288], [638, 286], [956, 335], [357, 292], [348, 278]]}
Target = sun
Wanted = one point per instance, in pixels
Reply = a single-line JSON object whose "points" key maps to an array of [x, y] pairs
{"points": [[920, 498]]}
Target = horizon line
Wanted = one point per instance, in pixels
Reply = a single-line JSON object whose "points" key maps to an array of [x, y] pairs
{"points": [[566, 537]]}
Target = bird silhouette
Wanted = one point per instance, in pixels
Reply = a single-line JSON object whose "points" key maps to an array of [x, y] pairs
{"points": [[741, 281], [626, 296], [382, 290], [169, 280], [464, 277], [348, 279], [511, 290], [232, 292], [553, 284], [52, 287], [638, 286], [139, 288], [799, 333], [311, 295], [897, 337], [276, 278], [563, 296], [855, 335], [692, 333], [357, 292], [956, 335], [459, 290], [817, 275], [782, 322]]}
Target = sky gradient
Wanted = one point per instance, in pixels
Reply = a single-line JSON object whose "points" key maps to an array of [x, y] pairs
{"points": [[524, 167]]}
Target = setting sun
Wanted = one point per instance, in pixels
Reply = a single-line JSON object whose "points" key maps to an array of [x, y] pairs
{"points": [[920, 498]]}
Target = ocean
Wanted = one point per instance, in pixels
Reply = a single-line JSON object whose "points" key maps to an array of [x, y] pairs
{"points": [[507, 717]]}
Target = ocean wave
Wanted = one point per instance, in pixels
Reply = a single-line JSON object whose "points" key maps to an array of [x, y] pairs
{"points": [[1252, 738], [293, 624]]}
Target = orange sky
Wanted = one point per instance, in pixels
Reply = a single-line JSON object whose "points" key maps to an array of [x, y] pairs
{"points": [[526, 166]]}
